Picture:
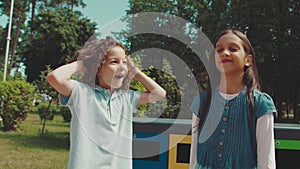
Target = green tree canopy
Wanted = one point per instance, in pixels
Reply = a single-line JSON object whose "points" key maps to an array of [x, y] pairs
{"points": [[57, 35], [271, 26]]}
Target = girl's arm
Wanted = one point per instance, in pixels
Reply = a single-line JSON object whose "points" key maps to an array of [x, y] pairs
{"points": [[154, 91], [59, 79], [265, 142]]}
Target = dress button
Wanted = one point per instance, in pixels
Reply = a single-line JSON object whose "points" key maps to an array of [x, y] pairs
{"points": [[226, 107], [221, 143], [220, 155], [223, 131], [224, 119]]}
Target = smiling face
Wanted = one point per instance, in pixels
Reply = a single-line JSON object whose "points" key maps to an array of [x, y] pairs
{"points": [[230, 54], [113, 69]]}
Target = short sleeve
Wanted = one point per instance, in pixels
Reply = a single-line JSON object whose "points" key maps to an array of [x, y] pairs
{"points": [[134, 97], [194, 108], [65, 100], [79, 97], [264, 105], [197, 103]]}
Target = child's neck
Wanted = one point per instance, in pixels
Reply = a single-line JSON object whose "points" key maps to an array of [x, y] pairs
{"points": [[231, 84], [111, 90]]}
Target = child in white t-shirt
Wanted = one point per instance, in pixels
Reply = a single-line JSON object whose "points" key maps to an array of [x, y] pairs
{"points": [[101, 105]]}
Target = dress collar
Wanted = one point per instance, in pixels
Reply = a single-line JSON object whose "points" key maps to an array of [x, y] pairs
{"points": [[106, 92], [222, 99]]}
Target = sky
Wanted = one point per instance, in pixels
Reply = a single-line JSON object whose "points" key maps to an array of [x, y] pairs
{"points": [[105, 11], [100, 11]]}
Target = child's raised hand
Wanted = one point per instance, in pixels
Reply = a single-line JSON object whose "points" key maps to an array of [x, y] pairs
{"points": [[132, 69]]}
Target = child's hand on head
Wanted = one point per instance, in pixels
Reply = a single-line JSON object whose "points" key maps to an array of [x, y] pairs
{"points": [[132, 69]]}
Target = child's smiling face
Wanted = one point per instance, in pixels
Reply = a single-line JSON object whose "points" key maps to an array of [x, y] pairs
{"points": [[231, 56], [113, 69]]}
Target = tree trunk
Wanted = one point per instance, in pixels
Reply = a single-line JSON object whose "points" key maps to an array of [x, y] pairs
{"points": [[32, 15], [72, 5], [8, 124], [287, 110], [20, 21], [45, 119]]}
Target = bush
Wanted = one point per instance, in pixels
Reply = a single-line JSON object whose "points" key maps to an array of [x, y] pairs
{"points": [[46, 113], [66, 114], [16, 98], [53, 109]]}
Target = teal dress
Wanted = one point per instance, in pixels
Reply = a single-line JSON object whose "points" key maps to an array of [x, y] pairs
{"points": [[227, 138]]}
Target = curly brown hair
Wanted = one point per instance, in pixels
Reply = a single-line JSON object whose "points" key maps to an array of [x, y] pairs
{"points": [[93, 54]]}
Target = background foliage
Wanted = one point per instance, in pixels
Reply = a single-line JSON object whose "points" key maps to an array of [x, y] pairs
{"points": [[273, 28], [46, 32]]}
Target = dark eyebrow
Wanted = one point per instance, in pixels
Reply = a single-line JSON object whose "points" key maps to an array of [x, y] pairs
{"points": [[231, 43], [115, 58], [112, 58], [219, 44], [234, 44]]}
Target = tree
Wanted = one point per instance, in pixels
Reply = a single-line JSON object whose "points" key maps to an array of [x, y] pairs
{"points": [[44, 88], [57, 35], [168, 108], [166, 79], [271, 26], [136, 85], [21, 31], [18, 20], [70, 4], [273, 34], [2, 47]]}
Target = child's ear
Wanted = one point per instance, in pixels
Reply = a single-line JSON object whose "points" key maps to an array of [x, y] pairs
{"points": [[248, 60]]}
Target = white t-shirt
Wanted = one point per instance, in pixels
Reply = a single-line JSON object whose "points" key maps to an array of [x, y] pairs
{"points": [[101, 127]]}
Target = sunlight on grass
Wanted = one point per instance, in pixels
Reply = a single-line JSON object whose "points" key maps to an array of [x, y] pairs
{"points": [[27, 149]]}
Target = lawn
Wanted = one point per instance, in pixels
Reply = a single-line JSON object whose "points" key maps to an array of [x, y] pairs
{"points": [[26, 149]]}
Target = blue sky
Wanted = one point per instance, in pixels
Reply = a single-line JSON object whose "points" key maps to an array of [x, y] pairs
{"points": [[102, 12]]}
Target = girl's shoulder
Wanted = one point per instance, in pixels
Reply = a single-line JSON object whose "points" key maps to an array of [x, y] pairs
{"points": [[261, 96], [263, 103], [198, 102], [81, 87], [201, 97]]}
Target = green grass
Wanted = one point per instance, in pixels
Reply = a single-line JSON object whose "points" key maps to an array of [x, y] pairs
{"points": [[27, 149]]}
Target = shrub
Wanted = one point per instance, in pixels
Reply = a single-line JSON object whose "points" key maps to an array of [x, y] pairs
{"points": [[47, 112], [16, 98], [66, 114]]}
